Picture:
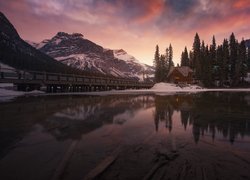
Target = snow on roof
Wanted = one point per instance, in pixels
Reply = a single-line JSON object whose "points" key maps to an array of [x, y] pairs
{"points": [[184, 70]]}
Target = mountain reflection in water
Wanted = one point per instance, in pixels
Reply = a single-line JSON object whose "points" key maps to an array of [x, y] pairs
{"points": [[71, 117], [223, 113], [94, 112], [36, 133]]}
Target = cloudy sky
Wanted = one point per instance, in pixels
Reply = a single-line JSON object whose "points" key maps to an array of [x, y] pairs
{"points": [[133, 25]]}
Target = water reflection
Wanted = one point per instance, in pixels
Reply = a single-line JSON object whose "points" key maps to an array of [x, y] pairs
{"points": [[70, 117], [93, 113], [67, 117], [225, 114]]}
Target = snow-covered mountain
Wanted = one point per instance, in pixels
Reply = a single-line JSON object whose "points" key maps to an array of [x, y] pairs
{"points": [[76, 51]]}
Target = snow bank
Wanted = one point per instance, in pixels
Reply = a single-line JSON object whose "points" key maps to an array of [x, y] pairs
{"points": [[7, 94], [2, 65], [168, 87], [6, 85]]}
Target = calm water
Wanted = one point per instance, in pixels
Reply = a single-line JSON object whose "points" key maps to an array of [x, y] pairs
{"points": [[199, 136]]}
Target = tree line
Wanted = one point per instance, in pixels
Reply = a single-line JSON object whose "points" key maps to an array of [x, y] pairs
{"points": [[163, 63], [224, 65]]}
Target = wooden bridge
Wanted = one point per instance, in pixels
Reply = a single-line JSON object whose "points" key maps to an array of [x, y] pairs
{"points": [[56, 82]]}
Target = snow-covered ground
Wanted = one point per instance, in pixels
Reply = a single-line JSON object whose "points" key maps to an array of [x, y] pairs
{"points": [[168, 87], [2, 65], [7, 92], [159, 89]]}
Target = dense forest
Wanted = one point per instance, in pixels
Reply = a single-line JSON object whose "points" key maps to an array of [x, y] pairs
{"points": [[163, 63], [224, 65]]}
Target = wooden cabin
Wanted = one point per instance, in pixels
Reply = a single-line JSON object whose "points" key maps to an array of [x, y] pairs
{"points": [[183, 74]]}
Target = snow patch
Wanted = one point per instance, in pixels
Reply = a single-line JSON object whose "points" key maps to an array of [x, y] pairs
{"points": [[5, 66], [7, 94], [123, 55], [167, 87], [75, 56], [57, 41]]}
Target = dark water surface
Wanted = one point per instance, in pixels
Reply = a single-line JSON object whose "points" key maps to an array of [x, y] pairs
{"points": [[183, 136]]}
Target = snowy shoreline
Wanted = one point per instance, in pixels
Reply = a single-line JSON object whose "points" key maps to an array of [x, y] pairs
{"points": [[7, 94]]}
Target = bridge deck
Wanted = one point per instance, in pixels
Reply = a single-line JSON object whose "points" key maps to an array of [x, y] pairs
{"points": [[35, 79]]}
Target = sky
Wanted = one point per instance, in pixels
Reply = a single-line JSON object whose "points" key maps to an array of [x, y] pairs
{"points": [[136, 26]]}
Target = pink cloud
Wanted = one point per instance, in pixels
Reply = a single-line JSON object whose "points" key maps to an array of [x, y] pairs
{"points": [[134, 25]]}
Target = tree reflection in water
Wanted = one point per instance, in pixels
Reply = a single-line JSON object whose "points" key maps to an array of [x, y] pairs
{"points": [[70, 117], [214, 113]]}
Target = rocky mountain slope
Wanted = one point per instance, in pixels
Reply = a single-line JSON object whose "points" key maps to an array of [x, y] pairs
{"points": [[78, 52]]}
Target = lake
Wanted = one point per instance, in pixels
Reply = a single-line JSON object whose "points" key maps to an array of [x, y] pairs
{"points": [[182, 136]]}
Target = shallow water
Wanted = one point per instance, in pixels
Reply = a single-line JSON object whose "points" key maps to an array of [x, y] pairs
{"points": [[182, 136]]}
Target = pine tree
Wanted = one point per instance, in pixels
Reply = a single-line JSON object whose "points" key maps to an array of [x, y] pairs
{"points": [[191, 59], [170, 59], [242, 61], [166, 63], [248, 59], [213, 59], [220, 59], [163, 72], [202, 57], [196, 56], [233, 57], [157, 64], [226, 59], [184, 58], [167, 59], [207, 68]]}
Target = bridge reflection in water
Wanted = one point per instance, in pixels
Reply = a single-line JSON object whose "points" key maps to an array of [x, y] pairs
{"points": [[36, 134], [58, 82], [69, 117]]}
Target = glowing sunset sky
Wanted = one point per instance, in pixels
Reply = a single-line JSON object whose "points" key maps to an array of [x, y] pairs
{"points": [[133, 25]]}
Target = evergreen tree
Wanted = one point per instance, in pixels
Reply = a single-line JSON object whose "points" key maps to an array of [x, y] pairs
{"points": [[242, 61], [184, 58], [166, 63], [170, 59], [226, 59], [233, 57], [157, 64], [196, 56], [167, 59], [248, 59], [163, 71], [207, 68], [213, 59], [202, 57], [220, 59], [191, 60]]}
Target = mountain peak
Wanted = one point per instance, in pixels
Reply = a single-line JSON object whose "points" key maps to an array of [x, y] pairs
{"points": [[120, 51], [62, 34], [78, 52], [67, 35], [77, 35]]}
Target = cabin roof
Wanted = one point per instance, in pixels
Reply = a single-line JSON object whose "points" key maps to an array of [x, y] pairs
{"points": [[184, 70]]}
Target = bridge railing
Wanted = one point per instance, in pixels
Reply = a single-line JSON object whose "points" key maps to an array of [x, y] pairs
{"points": [[47, 77]]}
